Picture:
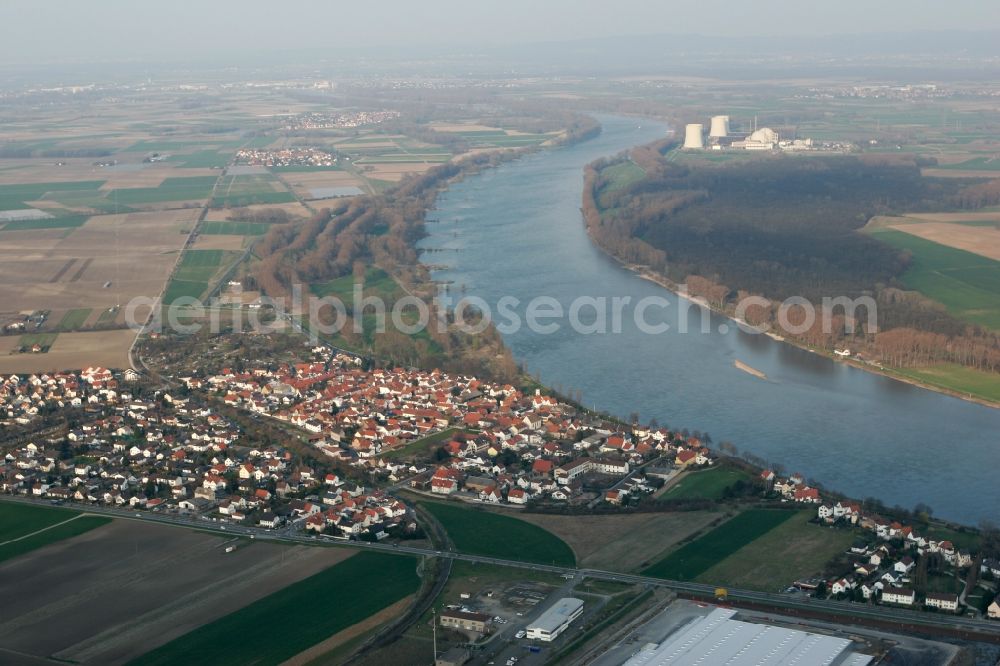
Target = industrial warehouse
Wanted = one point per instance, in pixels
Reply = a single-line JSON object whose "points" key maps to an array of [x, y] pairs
{"points": [[719, 639], [555, 620]]}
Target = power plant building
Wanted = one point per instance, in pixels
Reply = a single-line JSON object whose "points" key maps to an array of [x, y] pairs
{"points": [[719, 128], [763, 139], [693, 136]]}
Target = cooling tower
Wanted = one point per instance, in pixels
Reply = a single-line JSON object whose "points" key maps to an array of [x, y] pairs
{"points": [[692, 136], [720, 127]]}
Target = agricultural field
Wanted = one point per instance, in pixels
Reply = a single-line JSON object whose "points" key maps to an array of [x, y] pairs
{"points": [[481, 532], [324, 184], [628, 542], [975, 164], [17, 196], [203, 159], [233, 228], [376, 283], [244, 190], [74, 319], [108, 260], [696, 557], [622, 175], [39, 537], [181, 188], [18, 520], [978, 233], [195, 272], [484, 136], [43, 340], [126, 587], [69, 351], [795, 549], [247, 213], [958, 378], [965, 283], [705, 484], [302, 614], [64, 222]]}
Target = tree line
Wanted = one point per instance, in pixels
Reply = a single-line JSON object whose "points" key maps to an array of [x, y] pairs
{"points": [[785, 226]]}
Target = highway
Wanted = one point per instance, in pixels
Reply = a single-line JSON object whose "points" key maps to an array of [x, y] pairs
{"points": [[289, 534]]}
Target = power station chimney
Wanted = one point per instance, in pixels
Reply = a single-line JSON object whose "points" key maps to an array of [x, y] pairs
{"points": [[720, 127], [692, 136]]}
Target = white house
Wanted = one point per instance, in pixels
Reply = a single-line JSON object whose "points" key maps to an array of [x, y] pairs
{"points": [[902, 596], [942, 601]]}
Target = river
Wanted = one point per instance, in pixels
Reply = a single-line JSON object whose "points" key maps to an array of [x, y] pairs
{"points": [[516, 230]]}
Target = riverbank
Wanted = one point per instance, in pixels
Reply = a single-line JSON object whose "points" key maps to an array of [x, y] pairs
{"points": [[647, 274], [516, 232]]}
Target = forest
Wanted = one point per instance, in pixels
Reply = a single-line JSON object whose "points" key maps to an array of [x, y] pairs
{"points": [[782, 226]]}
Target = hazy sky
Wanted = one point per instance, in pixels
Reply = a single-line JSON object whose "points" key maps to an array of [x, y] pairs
{"points": [[46, 30]]}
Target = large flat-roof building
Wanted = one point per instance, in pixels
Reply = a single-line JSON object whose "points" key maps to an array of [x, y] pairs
{"points": [[555, 620], [719, 639]]}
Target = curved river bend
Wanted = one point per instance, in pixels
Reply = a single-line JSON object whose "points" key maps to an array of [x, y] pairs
{"points": [[517, 231]]}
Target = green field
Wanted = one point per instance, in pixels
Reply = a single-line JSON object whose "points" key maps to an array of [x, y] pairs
{"points": [[74, 319], [706, 484], [108, 315], [16, 520], [234, 228], [44, 340], [249, 199], [294, 619], [13, 197], [424, 445], [958, 378], [171, 189], [976, 163], [157, 146], [236, 191], [962, 540], [199, 265], [698, 556], [484, 533], [394, 158], [19, 520], [94, 199], [75, 527], [966, 284], [377, 283], [792, 550], [204, 159], [66, 222], [193, 274], [183, 288], [501, 139], [622, 175]]}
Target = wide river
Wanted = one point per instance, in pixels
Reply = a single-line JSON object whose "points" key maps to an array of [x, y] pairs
{"points": [[517, 231]]}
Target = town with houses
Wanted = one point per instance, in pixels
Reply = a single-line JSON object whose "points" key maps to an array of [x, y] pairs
{"points": [[286, 157], [375, 429], [346, 120]]}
